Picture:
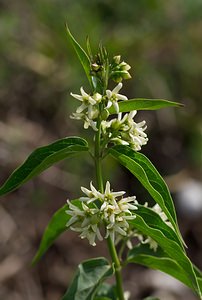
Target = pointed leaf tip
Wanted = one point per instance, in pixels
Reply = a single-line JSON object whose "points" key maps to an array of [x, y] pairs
{"points": [[144, 104], [41, 159], [81, 54]]}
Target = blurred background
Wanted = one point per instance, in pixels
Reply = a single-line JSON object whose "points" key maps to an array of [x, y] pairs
{"points": [[162, 41]]}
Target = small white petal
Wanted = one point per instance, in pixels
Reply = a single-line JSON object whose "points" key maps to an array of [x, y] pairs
{"points": [[107, 188], [78, 97], [117, 88], [121, 97], [116, 106], [81, 108], [109, 94]]}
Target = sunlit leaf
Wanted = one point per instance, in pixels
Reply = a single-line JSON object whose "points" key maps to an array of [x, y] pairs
{"points": [[82, 55], [170, 247], [90, 274], [159, 260], [143, 104], [141, 167], [41, 159], [155, 221]]}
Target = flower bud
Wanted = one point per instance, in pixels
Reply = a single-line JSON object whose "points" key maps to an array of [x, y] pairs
{"points": [[124, 66], [95, 67], [125, 75], [104, 114], [117, 59]]}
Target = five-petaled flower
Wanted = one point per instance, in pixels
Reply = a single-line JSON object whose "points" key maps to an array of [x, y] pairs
{"points": [[113, 97], [86, 99]]}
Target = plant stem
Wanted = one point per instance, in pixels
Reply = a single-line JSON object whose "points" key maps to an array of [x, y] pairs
{"points": [[117, 267], [98, 158], [111, 247]]}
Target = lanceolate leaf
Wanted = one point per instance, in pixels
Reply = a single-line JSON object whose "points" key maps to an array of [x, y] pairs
{"points": [[159, 260], [171, 248], [140, 166], [54, 229], [82, 55], [41, 159], [143, 104], [89, 276], [154, 221]]}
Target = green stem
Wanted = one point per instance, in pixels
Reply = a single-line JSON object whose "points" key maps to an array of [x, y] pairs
{"points": [[111, 246], [98, 158], [117, 267]]}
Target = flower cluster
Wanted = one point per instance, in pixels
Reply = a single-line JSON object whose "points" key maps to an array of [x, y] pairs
{"points": [[121, 130], [120, 69], [89, 110], [124, 130], [94, 109], [113, 214]]}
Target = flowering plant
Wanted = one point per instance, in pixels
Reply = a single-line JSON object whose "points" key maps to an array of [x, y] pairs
{"points": [[101, 213]]}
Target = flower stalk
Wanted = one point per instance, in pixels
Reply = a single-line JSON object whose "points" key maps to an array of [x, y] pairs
{"points": [[110, 243]]}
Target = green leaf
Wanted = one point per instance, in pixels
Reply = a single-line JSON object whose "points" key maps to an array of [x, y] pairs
{"points": [[140, 166], [159, 260], [82, 55], [154, 221], [170, 247], [55, 227], [143, 104], [89, 276], [41, 159], [106, 291]]}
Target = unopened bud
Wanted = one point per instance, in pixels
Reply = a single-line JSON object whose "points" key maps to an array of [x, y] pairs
{"points": [[104, 114], [117, 59], [124, 66], [95, 67], [125, 75], [97, 97]]}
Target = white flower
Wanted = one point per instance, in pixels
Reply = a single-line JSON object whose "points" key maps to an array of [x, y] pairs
{"points": [[88, 111], [125, 205], [92, 194], [86, 221], [91, 232], [86, 99], [111, 196], [87, 121], [75, 212], [119, 226], [152, 243], [162, 215], [138, 136], [113, 97], [145, 240]]}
